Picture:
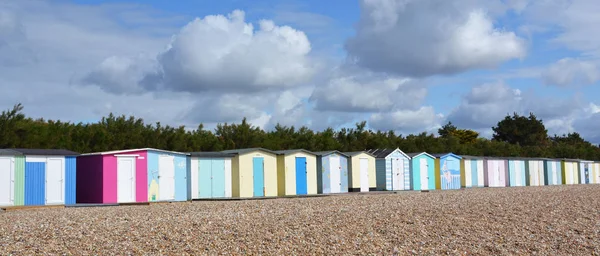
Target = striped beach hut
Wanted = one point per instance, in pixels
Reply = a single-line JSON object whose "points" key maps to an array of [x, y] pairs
{"points": [[296, 172], [361, 171], [496, 174], [534, 171], [517, 171], [132, 176], [422, 166], [332, 172], [595, 173], [253, 172], [586, 172], [392, 169], [552, 171], [210, 175], [37, 177], [472, 171], [447, 171], [570, 171]]}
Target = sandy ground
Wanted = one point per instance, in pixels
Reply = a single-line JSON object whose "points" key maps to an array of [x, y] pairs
{"points": [[556, 220]]}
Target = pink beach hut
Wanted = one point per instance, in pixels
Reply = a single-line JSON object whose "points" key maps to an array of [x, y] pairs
{"points": [[131, 176]]}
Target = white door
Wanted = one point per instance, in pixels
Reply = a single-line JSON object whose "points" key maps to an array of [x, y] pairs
{"points": [[518, 172], [55, 185], [166, 177], [335, 174], [7, 174], [228, 177], [126, 179], [364, 175], [480, 176], [397, 174], [533, 174], [468, 175], [424, 172], [493, 173]]}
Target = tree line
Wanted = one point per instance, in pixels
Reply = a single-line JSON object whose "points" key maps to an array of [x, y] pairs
{"points": [[514, 136]]}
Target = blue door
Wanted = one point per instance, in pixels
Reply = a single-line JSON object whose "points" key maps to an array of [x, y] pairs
{"points": [[218, 178], [204, 178], [35, 183], [301, 176], [474, 174], [259, 176]]}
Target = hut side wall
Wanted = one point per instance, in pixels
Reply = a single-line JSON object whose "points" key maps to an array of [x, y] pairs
{"points": [[90, 179]]}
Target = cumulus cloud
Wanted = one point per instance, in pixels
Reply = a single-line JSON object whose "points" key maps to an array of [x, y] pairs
{"points": [[485, 105], [224, 53], [357, 90], [121, 75], [424, 38], [569, 71], [407, 121]]}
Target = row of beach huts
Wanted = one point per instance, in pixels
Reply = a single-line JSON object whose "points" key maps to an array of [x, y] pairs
{"points": [[31, 177]]}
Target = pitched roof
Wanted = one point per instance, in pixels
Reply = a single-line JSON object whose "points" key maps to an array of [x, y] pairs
{"points": [[325, 153], [438, 155], [383, 153], [248, 150], [132, 150], [293, 151], [415, 154], [355, 153], [210, 154], [44, 152], [472, 157]]}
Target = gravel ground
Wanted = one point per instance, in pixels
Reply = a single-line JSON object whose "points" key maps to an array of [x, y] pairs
{"points": [[556, 220]]}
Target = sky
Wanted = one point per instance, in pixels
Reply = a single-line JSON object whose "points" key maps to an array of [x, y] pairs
{"points": [[403, 65]]}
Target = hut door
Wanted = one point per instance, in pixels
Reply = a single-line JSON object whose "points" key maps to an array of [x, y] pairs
{"points": [[301, 187], [424, 172], [166, 177], [218, 178], [518, 173], [54, 181], [259, 176], [7, 174], [533, 174], [205, 178], [335, 174], [126, 179], [586, 173], [397, 174], [364, 174]]}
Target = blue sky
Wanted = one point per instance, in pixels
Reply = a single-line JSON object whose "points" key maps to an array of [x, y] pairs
{"points": [[408, 66]]}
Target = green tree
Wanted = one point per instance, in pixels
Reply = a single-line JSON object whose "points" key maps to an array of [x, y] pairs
{"points": [[521, 130]]}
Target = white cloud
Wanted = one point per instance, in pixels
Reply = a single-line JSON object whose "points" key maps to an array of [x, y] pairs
{"points": [[121, 75], [218, 53], [424, 38], [357, 90], [407, 121], [589, 124], [569, 71], [485, 105]]}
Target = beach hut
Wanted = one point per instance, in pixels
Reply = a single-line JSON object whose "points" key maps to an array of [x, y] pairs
{"points": [[361, 171], [517, 172], [296, 172], [392, 167], [534, 171], [570, 171], [586, 172], [496, 174], [447, 171], [332, 172], [132, 176], [210, 175], [472, 171], [37, 177], [253, 172], [595, 173], [422, 166], [552, 172]]}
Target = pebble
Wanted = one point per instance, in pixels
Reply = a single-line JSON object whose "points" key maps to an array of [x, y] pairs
{"points": [[477, 221]]}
